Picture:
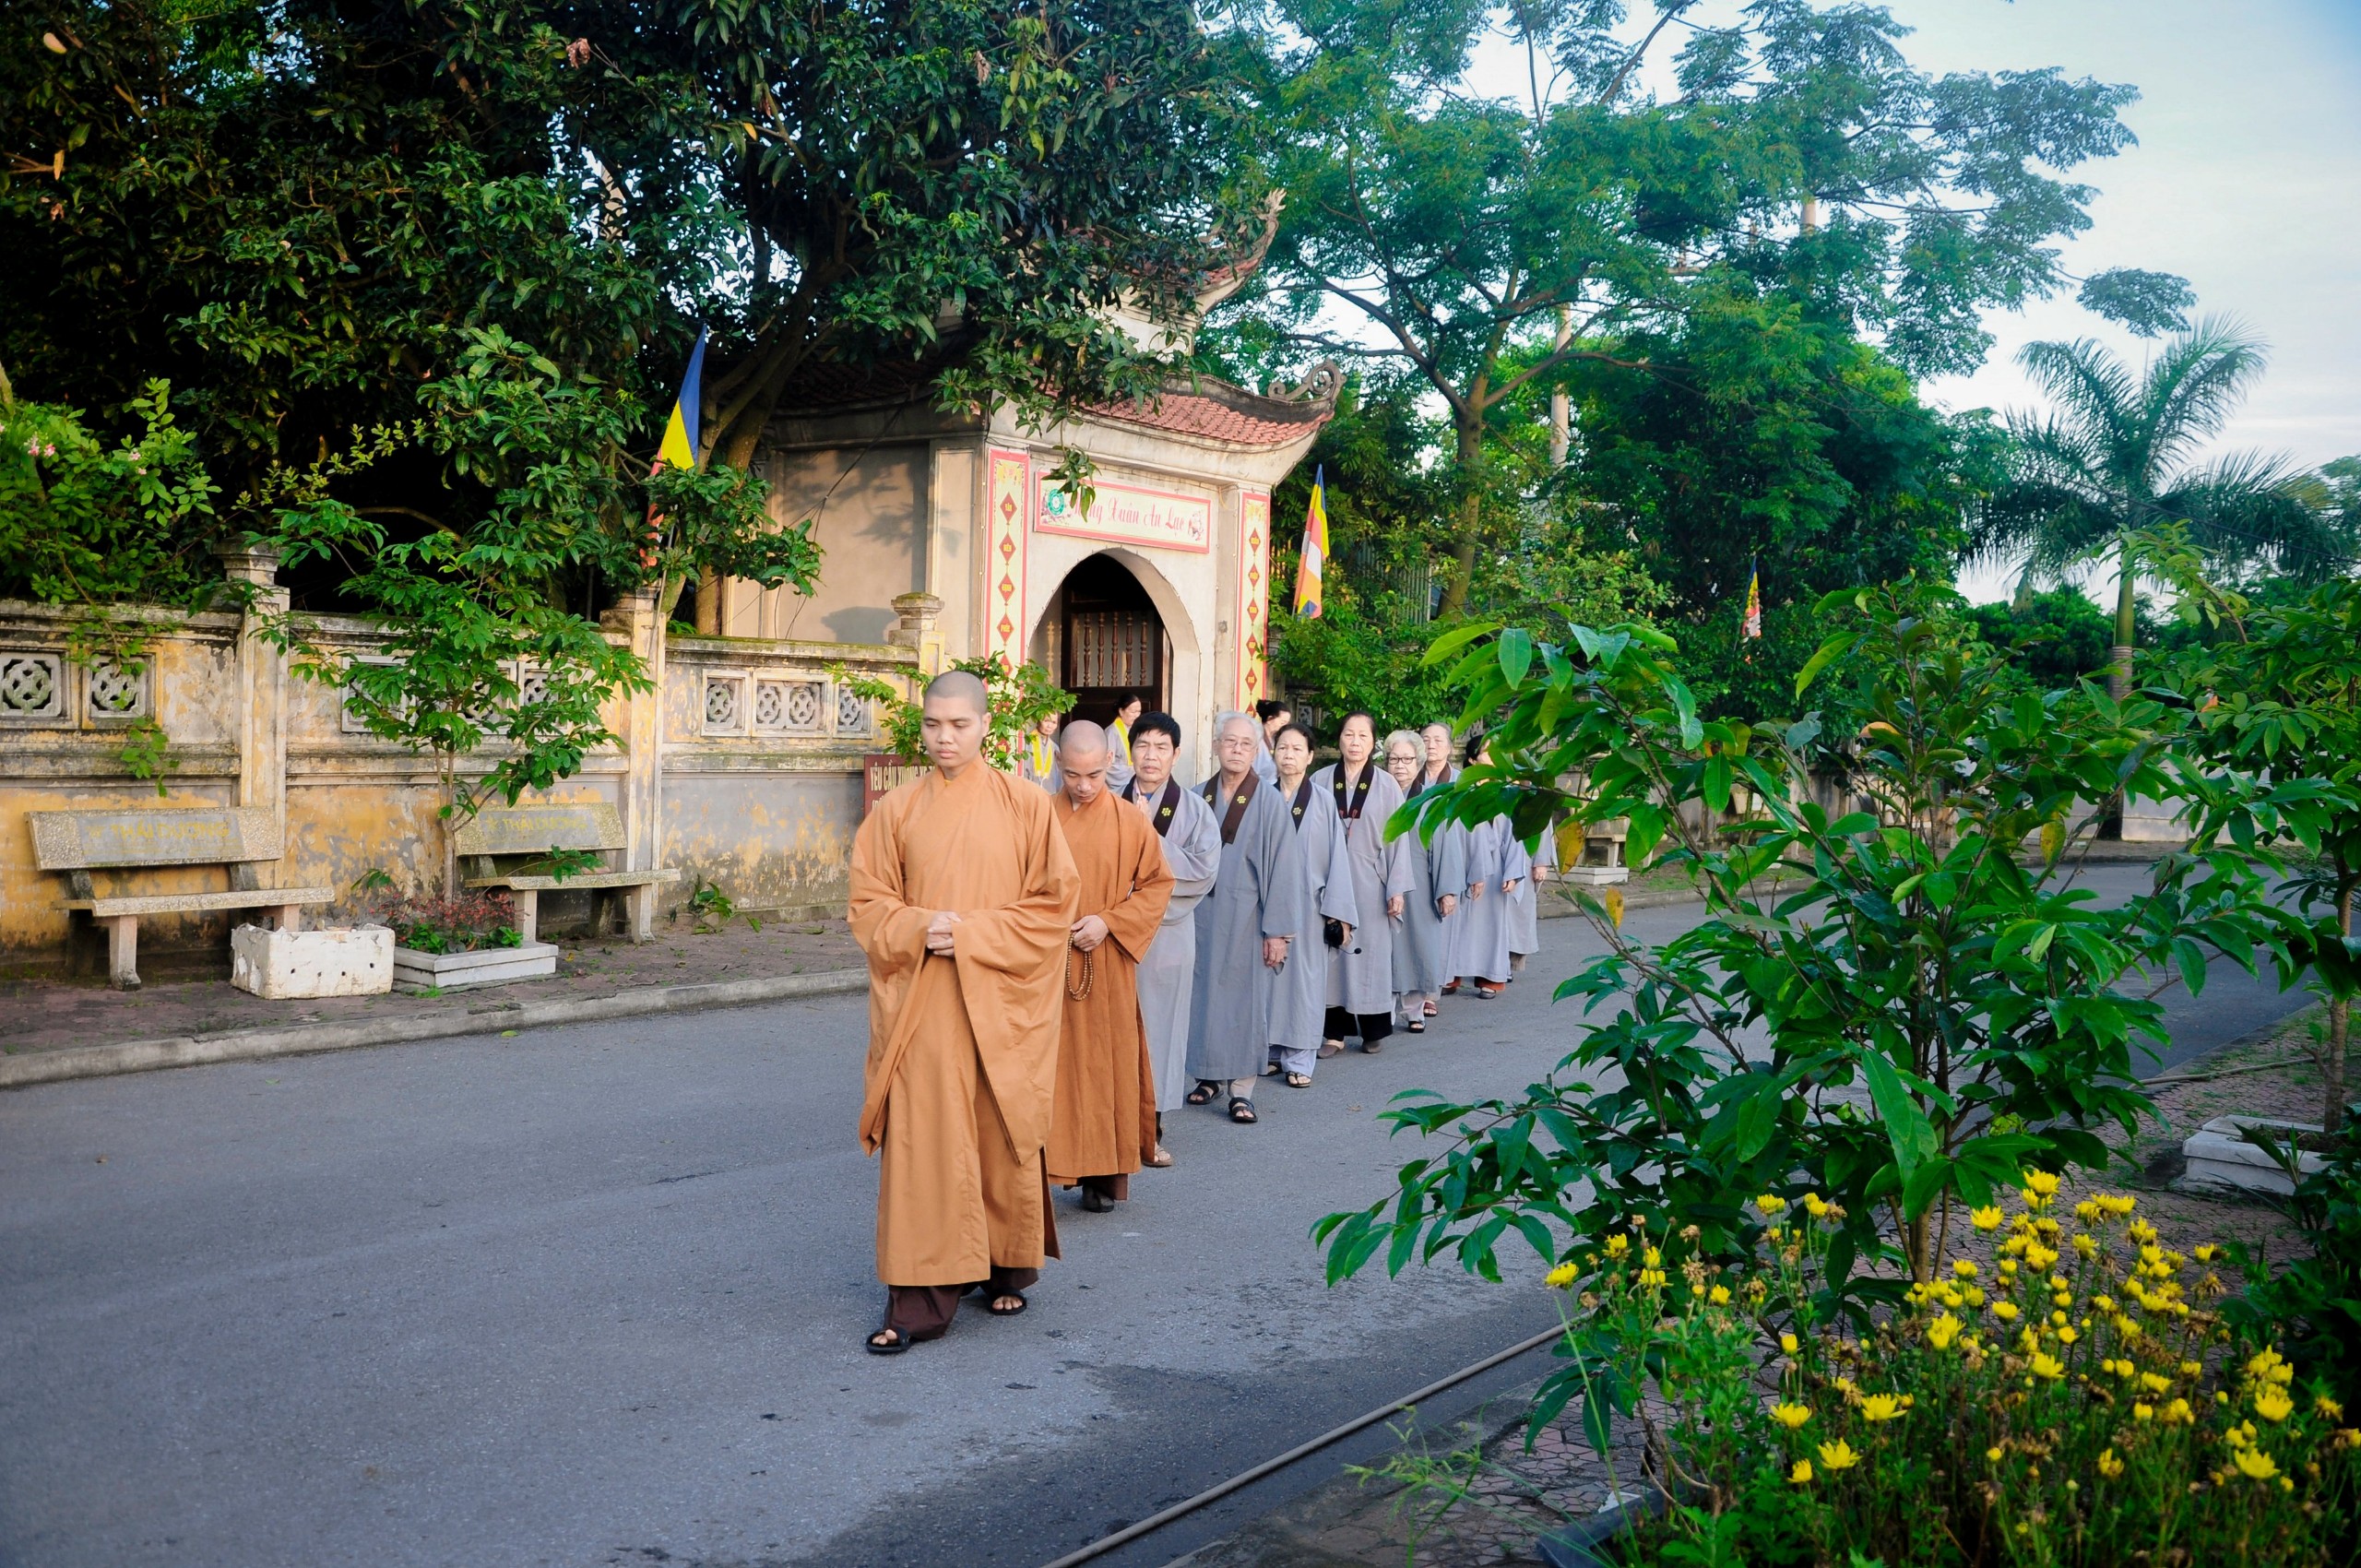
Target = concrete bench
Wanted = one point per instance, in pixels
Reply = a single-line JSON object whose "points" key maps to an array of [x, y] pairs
{"points": [[78, 843], [527, 834]]}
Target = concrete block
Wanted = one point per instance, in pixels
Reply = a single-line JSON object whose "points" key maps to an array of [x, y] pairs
{"points": [[285, 966], [2219, 1158], [487, 966], [1595, 876]]}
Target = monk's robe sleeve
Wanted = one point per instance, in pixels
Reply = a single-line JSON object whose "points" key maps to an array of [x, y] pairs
{"points": [[1133, 920], [1339, 898], [890, 931], [1400, 876], [1279, 868], [1019, 937], [1515, 864], [1447, 855]]}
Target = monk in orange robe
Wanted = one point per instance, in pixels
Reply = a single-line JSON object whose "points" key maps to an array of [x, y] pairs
{"points": [[963, 896], [1103, 1127]]}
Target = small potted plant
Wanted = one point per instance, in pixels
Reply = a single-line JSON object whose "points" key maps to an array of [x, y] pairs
{"points": [[449, 943]]}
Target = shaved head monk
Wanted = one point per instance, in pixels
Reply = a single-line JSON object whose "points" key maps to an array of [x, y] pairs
{"points": [[963, 898], [1103, 1127]]}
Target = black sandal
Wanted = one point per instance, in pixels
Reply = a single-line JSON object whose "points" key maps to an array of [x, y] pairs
{"points": [[1416, 1027], [997, 1297], [1241, 1111], [1204, 1093], [1299, 1080], [893, 1347]]}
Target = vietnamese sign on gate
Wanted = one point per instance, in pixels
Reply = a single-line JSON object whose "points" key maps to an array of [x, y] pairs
{"points": [[1126, 514]]}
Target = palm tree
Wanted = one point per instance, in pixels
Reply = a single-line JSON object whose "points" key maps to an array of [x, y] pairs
{"points": [[2116, 455]]}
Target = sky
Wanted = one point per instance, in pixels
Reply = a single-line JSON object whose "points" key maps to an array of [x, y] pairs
{"points": [[2246, 180]]}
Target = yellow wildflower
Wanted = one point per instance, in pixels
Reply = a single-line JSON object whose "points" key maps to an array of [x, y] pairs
{"points": [[1801, 1474], [2348, 1437], [2045, 1365], [2273, 1404], [2255, 1464], [1838, 1456], [1720, 1296], [2153, 1383], [1790, 1416], [1771, 1202], [1652, 1257], [2005, 1310], [1789, 1343], [2085, 1247], [2179, 1413], [1817, 1205], [2067, 1336], [1995, 1454], [1651, 1277], [2206, 1253], [1565, 1274], [1986, 1218], [1964, 1268], [2143, 1412], [2104, 1303], [2109, 1466], [2328, 1407], [1618, 1245], [1942, 1331], [1881, 1408]]}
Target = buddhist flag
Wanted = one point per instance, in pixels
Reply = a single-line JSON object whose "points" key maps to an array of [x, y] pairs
{"points": [[1753, 627], [680, 447], [1315, 549]]}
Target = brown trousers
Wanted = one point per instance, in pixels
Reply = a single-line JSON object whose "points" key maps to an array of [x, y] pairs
{"points": [[924, 1312]]}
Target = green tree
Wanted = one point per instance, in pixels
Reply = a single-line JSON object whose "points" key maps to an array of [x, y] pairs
{"points": [[2117, 456], [1492, 246]]}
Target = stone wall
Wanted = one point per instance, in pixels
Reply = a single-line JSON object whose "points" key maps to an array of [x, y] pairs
{"points": [[743, 770]]}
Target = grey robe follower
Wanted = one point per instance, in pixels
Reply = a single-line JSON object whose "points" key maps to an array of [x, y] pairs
{"points": [[1481, 951], [1524, 925], [1258, 893], [1421, 954], [1301, 1002], [1167, 972], [1360, 974]]}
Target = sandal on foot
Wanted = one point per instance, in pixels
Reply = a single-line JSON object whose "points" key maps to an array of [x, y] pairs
{"points": [[1451, 990], [1416, 1026], [993, 1304], [1270, 1069], [1431, 1005], [1489, 991], [1204, 1093], [879, 1345], [1241, 1111], [1299, 1080], [1331, 1048], [1161, 1160], [1370, 1047]]}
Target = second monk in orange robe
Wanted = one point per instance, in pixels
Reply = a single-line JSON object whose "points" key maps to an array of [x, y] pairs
{"points": [[1103, 1127]]}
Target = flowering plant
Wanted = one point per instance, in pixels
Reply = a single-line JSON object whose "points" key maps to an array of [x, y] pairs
{"points": [[2072, 1397]]}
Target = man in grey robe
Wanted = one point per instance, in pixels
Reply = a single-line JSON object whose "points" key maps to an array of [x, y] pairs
{"points": [[1244, 926], [1524, 904], [1360, 975], [1192, 837], [1300, 1008]]}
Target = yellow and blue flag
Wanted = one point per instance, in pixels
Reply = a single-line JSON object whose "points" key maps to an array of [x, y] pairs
{"points": [[679, 449], [1315, 549]]}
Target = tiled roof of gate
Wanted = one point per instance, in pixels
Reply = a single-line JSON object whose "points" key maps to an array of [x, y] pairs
{"points": [[1220, 412]]}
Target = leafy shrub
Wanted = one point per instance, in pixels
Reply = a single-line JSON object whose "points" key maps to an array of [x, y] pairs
{"points": [[1019, 696], [426, 924], [2314, 1303], [2077, 1397], [1897, 996]]}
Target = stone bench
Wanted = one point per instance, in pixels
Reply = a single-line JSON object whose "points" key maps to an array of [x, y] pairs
{"points": [[527, 834], [237, 837]]}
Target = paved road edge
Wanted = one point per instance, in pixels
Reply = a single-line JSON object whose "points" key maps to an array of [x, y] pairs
{"points": [[246, 1045]]}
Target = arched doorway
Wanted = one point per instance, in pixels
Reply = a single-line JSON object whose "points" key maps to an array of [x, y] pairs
{"points": [[1102, 637]]}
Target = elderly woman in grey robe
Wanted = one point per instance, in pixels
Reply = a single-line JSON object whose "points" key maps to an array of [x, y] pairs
{"points": [[1245, 925], [1495, 863], [1439, 868], [1361, 974], [1298, 1010]]}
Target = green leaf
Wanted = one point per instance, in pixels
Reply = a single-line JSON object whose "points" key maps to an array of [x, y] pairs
{"points": [[1451, 642], [1829, 651], [1515, 650], [1907, 1129]]}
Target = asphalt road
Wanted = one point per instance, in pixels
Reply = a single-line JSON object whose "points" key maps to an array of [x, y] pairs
{"points": [[594, 1296]]}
